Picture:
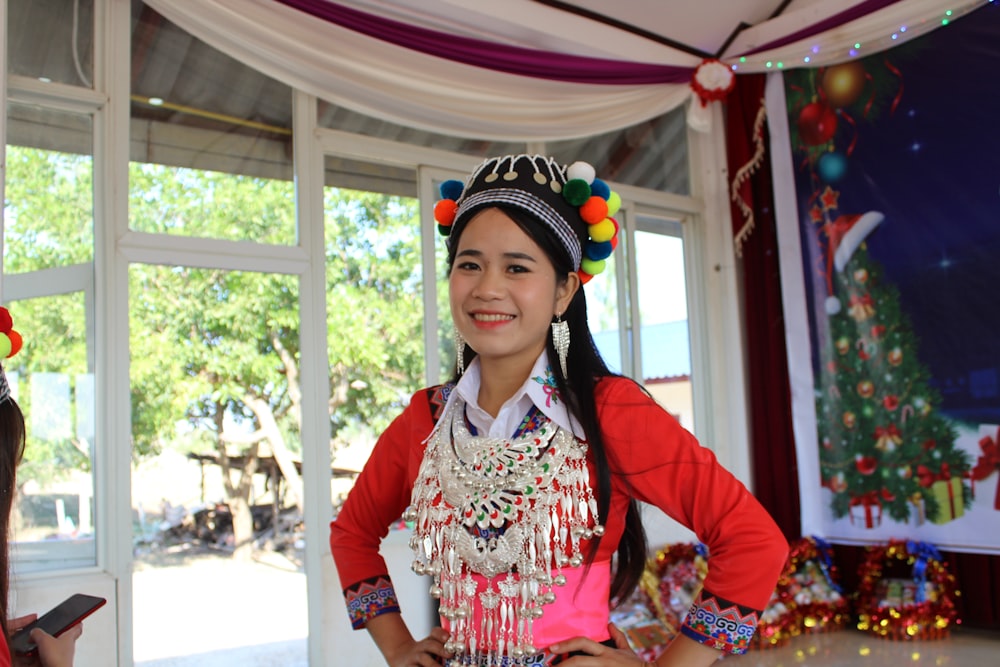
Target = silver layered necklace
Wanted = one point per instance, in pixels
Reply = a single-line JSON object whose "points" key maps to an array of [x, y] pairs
{"points": [[511, 510]]}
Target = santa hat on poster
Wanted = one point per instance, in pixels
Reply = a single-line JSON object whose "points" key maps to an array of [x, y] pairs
{"points": [[845, 234]]}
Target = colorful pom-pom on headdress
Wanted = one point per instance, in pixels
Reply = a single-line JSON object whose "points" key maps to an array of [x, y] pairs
{"points": [[577, 206], [10, 344]]}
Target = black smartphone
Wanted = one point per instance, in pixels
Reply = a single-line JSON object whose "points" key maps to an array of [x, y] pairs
{"points": [[56, 621]]}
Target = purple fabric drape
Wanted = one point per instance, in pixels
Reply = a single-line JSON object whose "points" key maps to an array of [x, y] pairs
{"points": [[490, 55], [533, 62]]}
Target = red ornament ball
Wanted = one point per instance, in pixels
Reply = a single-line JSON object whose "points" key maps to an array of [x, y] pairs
{"points": [[817, 124], [866, 464]]}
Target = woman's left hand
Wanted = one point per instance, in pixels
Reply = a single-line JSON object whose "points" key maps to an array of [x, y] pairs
{"points": [[599, 655]]}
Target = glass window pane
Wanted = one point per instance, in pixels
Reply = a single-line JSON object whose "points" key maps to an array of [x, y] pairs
{"points": [[197, 111], [374, 316], [49, 207], [602, 312], [52, 379], [216, 487], [652, 154], [52, 40], [664, 339]]}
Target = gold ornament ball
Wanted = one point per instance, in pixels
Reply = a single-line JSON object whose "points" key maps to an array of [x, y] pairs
{"points": [[843, 345], [843, 83]]}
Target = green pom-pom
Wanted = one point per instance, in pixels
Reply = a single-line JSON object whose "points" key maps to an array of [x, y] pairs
{"points": [[593, 267], [576, 191], [444, 230]]}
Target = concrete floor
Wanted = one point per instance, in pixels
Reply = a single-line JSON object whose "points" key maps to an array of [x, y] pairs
{"points": [[205, 610]]}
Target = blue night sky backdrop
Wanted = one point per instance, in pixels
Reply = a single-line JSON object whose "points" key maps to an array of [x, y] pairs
{"points": [[932, 166]]}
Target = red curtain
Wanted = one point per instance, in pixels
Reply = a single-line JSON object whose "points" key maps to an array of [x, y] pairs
{"points": [[775, 474], [771, 438]]}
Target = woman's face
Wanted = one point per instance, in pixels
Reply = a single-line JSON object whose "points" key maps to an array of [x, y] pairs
{"points": [[504, 292]]}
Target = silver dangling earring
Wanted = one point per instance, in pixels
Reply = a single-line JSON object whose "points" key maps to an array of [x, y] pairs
{"points": [[459, 352], [560, 340]]}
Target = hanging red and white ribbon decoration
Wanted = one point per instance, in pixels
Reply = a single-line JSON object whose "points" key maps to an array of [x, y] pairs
{"points": [[713, 80]]}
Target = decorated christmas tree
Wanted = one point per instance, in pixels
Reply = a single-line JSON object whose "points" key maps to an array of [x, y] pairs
{"points": [[885, 448], [884, 445]]}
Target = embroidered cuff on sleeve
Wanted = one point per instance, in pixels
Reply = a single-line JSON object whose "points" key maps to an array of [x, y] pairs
{"points": [[721, 624], [370, 598]]}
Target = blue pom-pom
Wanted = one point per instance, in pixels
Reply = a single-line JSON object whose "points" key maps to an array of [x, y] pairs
{"points": [[599, 251], [452, 189], [600, 189]]}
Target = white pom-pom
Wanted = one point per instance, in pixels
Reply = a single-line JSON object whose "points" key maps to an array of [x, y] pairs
{"points": [[832, 305], [581, 170]]}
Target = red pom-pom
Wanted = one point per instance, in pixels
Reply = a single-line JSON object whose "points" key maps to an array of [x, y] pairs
{"points": [[584, 277], [444, 212], [594, 210], [15, 343], [6, 321], [614, 242]]}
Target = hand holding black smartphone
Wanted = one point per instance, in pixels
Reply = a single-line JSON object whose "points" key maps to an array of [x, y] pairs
{"points": [[56, 621]]}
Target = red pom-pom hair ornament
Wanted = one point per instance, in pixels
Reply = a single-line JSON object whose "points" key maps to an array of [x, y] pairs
{"points": [[594, 210], [444, 214], [6, 321], [446, 209]]}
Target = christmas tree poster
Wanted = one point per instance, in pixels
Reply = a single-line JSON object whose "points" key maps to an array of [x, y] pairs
{"points": [[896, 161]]}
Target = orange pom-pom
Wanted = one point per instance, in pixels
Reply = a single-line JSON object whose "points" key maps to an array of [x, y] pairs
{"points": [[444, 212], [584, 277], [6, 321], [594, 210], [15, 343]]}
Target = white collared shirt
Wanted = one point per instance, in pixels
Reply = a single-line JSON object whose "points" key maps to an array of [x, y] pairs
{"points": [[539, 390]]}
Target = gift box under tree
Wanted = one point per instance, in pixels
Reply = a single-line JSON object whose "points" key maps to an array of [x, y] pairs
{"points": [[988, 461]]}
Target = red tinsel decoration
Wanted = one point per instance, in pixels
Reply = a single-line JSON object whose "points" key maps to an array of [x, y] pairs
{"points": [[930, 618], [805, 599]]}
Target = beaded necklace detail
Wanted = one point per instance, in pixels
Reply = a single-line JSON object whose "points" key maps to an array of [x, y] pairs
{"points": [[510, 511]]}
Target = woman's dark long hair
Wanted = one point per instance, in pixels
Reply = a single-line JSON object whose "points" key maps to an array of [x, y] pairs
{"points": [[11, 450], [587, 368]]}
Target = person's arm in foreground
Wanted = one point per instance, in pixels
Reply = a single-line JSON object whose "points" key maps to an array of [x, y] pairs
{"points": [[398, 646], [682, 652]]}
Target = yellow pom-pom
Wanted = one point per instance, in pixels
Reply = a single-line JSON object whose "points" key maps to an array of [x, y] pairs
{"points": [[602, 231], [614, 203], [5, 345], [593, 267]]}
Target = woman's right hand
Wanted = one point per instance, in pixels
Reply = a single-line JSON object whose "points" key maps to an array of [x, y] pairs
{"points": [[428, 652], [52, 651]]}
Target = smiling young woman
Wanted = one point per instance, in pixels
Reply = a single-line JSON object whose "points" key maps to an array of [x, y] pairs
{"points": [[522, 475], [504, 294]]}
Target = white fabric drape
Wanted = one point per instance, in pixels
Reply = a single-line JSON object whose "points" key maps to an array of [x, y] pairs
{"points": [[873, 33], [409, 88]]}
